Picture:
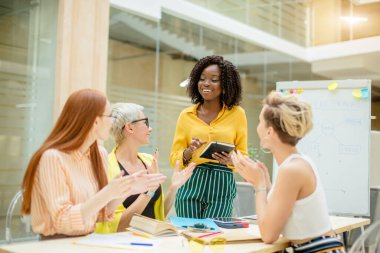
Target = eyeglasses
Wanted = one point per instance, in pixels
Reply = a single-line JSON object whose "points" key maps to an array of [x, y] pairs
{"points": [[197, 245], [146, 121]]}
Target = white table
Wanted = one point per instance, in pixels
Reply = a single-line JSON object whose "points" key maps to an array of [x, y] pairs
{"points": [[173, 244]]}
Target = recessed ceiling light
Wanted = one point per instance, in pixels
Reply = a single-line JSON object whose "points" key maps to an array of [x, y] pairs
{"points": [[184, 83], [354, 20]]}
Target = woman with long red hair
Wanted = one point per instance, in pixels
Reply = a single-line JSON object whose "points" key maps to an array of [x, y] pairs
{"points": [[66, 190]]}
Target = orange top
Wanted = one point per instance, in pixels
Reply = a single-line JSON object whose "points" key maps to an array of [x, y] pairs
{"points": [[63, 181]]}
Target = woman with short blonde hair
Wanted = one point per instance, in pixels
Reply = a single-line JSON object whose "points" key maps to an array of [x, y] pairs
{"points": [[295, 206]]}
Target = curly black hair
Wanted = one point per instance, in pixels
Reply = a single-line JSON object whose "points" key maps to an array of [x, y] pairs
{"points": [[229, 80]]}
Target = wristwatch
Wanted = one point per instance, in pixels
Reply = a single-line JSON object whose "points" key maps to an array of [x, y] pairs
{"points": [[150, 194]]}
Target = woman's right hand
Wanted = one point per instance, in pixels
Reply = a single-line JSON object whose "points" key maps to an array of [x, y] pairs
{"points": [[195, 144], [139, 182]]}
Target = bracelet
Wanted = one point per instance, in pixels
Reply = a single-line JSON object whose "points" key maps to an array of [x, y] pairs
{"points": [[150, 193], [185, 161], [260, 189]]}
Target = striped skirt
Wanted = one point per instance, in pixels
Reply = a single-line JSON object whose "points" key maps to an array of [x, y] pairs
{"points": [[322, 244], [209, 193]]}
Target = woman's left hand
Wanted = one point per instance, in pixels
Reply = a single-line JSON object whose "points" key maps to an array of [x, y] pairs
{"points": [[179, 176], [223, 158]]}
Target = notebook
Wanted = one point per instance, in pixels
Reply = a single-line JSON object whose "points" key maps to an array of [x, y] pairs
{"points": [[216, 147], [231, 235]]}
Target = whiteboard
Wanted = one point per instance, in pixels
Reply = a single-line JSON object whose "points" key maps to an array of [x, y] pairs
{"points": [[339, 142], [375, 160]]}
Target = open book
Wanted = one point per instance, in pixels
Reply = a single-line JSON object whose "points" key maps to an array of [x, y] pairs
{"points": [[146, 225], [216, 147]]}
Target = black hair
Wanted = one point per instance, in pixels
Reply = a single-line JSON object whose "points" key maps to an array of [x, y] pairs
{"points": [[229, 81]]}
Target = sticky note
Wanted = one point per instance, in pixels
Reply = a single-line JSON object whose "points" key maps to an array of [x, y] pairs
{"points": [[364, 92], [357, 94], [332, 86]]}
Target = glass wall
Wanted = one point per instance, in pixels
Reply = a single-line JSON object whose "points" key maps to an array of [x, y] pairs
{"points": [[148, 60], [27, 60], [285, 19], [304, 22]]}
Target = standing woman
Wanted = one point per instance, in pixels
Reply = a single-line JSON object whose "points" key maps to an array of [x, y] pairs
{"points": [[215, 89], [131, 131], [295, 205], [65, 185]]}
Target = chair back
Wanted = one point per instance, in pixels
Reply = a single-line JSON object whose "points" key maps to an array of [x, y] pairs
{"points": [[18, 229], [369, 241], [245, 201]]}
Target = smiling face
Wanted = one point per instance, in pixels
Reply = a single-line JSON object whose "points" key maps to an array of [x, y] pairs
{"points": [[209, 84], [141, 128]]}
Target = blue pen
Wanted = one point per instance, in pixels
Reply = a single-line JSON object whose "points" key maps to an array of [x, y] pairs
{"points": [[141, 244]]}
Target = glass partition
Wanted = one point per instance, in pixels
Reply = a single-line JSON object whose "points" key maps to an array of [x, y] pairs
{"points": [[27, 60], [148, 60]]}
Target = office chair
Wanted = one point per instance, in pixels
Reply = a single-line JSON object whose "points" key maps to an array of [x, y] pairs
{"points": [[245, 201], [369, 241], [18, 229]]}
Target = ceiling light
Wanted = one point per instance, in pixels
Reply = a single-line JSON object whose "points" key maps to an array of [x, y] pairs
{"points": [[184, 83], [354, 20]]}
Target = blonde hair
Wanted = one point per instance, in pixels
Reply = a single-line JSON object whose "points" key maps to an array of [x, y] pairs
{"points": [[123, 113], [290, 117]]}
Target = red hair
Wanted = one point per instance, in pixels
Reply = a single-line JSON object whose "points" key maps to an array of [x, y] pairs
{"points": [[69, 133]]}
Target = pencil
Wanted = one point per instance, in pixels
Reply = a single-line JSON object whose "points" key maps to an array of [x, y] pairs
{"points": [[209, 234]]}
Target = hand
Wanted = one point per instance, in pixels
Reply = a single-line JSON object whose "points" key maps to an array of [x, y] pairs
{"points": [[266, 173], [223, 158], [144, 181], [195, 144], [248, 169], [124, 186], [154, 166], [120, 186], [179, 176]]}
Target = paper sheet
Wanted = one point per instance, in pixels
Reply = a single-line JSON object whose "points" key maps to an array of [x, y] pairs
{"points": [[124, 240]]}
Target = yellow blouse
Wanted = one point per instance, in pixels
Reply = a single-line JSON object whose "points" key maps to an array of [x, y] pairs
{"points": [[230, 126]]}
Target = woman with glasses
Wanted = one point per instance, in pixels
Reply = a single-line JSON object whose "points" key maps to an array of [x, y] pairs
{"points": [[215, 89], [65, 185], [131, 130], [295, 206]]}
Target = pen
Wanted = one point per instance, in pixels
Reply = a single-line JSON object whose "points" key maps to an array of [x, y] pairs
{"points": [[141, 244], [142, 235], [209, 234], [136, 243]]}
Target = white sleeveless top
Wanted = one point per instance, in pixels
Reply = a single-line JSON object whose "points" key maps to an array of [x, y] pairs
{"points": [[310, 217]]}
